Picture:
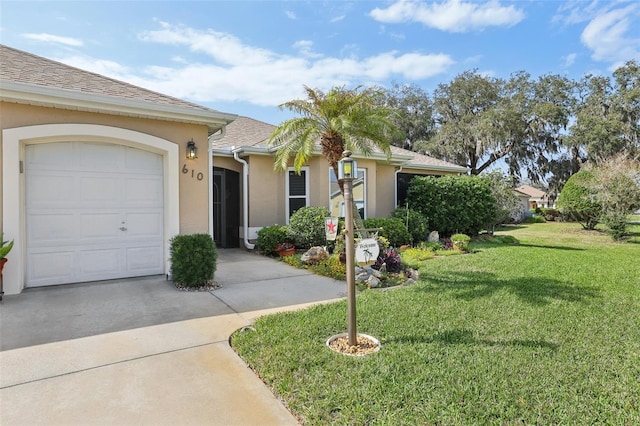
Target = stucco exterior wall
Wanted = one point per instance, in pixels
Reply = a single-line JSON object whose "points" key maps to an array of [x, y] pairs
{"points": [[385, 190], [193, 180]]}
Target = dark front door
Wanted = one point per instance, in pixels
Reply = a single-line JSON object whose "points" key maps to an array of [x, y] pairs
{"points": [[226, 207]]}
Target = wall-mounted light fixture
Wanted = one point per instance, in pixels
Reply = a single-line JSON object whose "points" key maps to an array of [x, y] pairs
{"points": [[192, 150]]}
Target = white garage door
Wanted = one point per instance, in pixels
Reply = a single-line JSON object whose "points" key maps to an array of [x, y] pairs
{"points": [[94, 212]]}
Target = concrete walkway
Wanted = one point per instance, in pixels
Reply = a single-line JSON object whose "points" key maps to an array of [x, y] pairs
{"points": [[167, 371]]}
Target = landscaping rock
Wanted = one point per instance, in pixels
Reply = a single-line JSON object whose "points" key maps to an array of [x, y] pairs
{"points": [[314, 255], [434, 237]]}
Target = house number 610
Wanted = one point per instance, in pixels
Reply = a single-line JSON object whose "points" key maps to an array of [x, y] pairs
{"points": [[198, 175]]}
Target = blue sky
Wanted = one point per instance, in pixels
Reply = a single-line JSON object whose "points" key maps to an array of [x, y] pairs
{"points": [[247, 57]]}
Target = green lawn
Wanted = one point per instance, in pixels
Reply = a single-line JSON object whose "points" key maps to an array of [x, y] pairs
{"points": [[544, 332]]}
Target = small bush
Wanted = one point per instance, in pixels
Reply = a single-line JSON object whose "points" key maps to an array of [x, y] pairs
{"points": [[534, 219], [413, 257], [415, 222], [193, 259], [431, 245], [306, 226], [269, 237], [392, 229], [461, 241]]}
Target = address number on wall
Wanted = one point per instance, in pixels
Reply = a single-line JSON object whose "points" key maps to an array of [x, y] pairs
{"points": [[194, 175]]}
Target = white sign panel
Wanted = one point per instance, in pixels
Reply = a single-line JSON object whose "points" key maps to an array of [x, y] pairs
{"points": [[367, 252], [331, 228]]}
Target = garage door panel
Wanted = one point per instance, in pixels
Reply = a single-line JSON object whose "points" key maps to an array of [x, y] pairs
{"points": [[143, 162], [144, 259], [144, 225], [99, 263], [51, 229], [96, 227], [50, 190], [103, 189], [143, 191], [101, 157], [51, 156], [50, 268], [93, 218]]}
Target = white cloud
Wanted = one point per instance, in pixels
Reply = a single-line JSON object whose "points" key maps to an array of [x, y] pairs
{"points": [[290, 14], [229, 70], [50, 38], [337, 18], [608, 35], [305, 47], [455, 16], [569, 60]]}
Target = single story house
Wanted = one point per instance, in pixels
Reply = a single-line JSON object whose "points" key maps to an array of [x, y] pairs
{"points": [[537, 198], [97, 175], [521, 211], [241, 158]]}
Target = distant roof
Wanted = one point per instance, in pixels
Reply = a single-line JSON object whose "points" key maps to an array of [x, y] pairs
{"points": [[531, 191], [250, 135], [27, 78]]}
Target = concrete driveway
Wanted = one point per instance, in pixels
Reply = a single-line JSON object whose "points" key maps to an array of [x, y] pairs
{"points": [[249, 282], [141, 352]]}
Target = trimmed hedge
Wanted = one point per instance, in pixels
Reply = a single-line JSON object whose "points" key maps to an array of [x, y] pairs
{"points": [[193, 259], [306, 226], [453, 204], [270, 236]]}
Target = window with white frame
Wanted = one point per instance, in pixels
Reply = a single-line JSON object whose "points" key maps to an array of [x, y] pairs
{"points": [[297, 187], [336, 200]]}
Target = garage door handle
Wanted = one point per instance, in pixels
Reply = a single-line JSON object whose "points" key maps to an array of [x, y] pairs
{"points": [[123, 228]]}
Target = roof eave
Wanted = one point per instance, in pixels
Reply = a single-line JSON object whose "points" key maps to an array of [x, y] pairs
{"points": [[31, 94]]}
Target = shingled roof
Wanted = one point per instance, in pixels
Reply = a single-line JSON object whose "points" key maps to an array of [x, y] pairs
{"points": [[247, 132], [26, 72]]}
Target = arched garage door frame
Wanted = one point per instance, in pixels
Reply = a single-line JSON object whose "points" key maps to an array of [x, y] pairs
{"points": [[13, 181]]}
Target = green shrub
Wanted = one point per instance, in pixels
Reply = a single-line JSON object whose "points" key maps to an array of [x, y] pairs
{"points": [[454, 204], [461, 241], [392, 229], [431, 245], [193, 259], [534, 219], [578, 200], [415, 222], [306, 226], [270, 236]]}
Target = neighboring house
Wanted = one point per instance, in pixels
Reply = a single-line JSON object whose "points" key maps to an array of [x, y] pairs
{"points": [[241, 159], [537, 198], [95, 177], [521, 211]]}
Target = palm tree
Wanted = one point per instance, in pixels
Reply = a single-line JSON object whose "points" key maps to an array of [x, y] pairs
{"points": [[342, 119], [356, 120]]}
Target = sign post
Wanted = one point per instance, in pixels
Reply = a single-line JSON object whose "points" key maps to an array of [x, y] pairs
{"points": [[347, 173]]}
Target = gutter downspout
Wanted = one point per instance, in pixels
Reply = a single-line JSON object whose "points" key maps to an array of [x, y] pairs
{"points": [[395, 187], [245, 198], [214, 137]]}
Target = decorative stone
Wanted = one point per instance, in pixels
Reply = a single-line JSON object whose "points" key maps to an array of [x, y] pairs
{"points": [[373, 282], [410, 281], [314, 255], [434, 237]]}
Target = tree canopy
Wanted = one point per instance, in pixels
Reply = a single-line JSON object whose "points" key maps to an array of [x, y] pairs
{"points": [[341, 119], [541, 128]]}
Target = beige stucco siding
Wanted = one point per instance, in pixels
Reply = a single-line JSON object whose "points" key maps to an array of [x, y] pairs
{"points": [[193, 180], [385, 181]]}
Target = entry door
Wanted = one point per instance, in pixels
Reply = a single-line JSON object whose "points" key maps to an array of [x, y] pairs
{"points": [[226, 207], [94, 212]]}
